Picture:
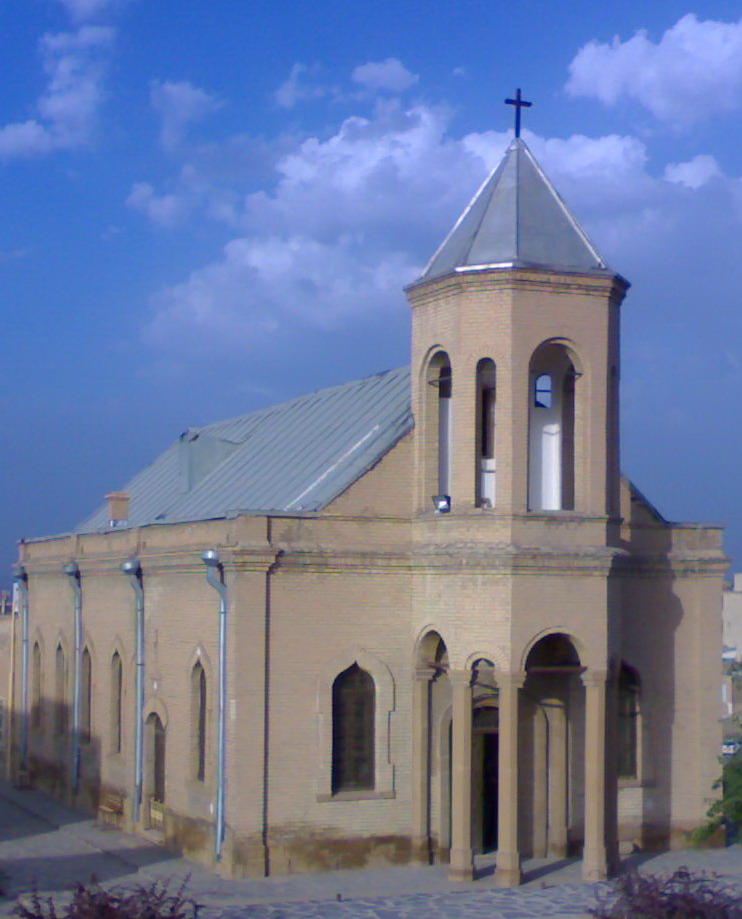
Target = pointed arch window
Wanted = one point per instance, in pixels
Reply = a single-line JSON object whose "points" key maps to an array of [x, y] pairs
{"points": [[36, 686], [86, 696], [353, 742], [60, 691], [198, 722], [628, 721], [485, 428], [117, 686]]}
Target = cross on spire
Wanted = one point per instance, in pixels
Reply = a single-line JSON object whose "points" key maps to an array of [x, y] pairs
{"points": [[519, 104]]}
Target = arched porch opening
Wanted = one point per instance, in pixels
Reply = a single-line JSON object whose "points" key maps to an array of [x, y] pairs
{"points": [[551, 749], [431, 758]]}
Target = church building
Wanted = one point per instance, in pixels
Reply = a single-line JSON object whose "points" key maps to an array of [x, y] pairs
{"points": [[411, 618]]}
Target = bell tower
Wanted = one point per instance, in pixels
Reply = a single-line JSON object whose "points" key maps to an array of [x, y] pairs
{"points": [[515, 358], [515, 371]]}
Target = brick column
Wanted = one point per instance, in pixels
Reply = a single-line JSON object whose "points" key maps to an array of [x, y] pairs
{"points": [[557, 781], [420, 778], [508, 873], [595, 857], [461, 867]]}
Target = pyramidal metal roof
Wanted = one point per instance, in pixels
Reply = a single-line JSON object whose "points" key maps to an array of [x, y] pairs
{"points": [[292, 458], [516, 219]]}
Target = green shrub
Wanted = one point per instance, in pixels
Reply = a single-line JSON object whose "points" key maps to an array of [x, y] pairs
{"points": [[726, 811], [91, 901], [681, 895]]}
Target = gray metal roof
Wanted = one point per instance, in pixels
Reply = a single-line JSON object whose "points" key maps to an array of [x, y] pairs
{"points": [[291, 458], [516, 219]]}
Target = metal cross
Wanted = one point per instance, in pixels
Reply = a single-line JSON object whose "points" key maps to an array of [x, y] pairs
{"points": [[519, 104]]}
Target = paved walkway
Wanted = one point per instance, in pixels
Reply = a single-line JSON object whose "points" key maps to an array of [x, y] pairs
{"points": [[44, 843]]}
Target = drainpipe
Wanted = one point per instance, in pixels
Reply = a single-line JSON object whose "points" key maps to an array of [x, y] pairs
{"points": [[73, 573], [132, 568], [215, 577], [20, 576]]}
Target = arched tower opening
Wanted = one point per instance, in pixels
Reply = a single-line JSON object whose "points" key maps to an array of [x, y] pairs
{"points": [[438, 438], [485, 468], [551, 430]]}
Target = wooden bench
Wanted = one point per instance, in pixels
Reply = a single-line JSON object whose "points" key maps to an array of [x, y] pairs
{"points": [[111, 809]]}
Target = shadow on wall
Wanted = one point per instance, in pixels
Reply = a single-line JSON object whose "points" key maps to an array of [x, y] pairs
{"points": [[52, 759], [652, 613]]}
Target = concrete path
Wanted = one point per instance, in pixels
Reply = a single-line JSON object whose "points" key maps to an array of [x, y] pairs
{"points": [[46, 844]]}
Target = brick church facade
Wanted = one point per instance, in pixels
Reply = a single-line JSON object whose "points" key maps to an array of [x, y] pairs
{"points": [[410, 618]]}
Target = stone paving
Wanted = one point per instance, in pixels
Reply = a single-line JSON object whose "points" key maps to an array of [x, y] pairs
{"points": [[43, 843]]}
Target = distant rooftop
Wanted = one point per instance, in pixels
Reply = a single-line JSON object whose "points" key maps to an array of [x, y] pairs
{"points": [[516, 219], [292, 458]]}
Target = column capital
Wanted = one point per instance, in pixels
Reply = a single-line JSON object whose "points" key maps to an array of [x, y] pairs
{"points": [[594, 678], [461, 677], [511, 678], [423, 674]]}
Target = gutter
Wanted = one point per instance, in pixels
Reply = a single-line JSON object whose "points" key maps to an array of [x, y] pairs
{"points": [[133, 569], [215, 577], [72, 571], [20, 576]]}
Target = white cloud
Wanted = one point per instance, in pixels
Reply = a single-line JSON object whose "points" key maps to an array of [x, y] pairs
{"points": [[74, 63], [80, 10], [349, 219], [180, 104], [164, 210], [390, 74], [693, 72], [295, 88], [260, 283], [695, 172]]}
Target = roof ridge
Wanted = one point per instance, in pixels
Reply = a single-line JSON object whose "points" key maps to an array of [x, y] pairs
{"points": [[275, 406]]}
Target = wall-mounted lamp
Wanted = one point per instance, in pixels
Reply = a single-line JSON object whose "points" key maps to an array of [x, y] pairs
{"points": [[210, 557], [442, 503]]}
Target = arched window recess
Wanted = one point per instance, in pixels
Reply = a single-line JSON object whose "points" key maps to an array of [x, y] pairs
{"points": [[628, 723], [551, 434], [485, 433], [353, 731], [438, 437]]}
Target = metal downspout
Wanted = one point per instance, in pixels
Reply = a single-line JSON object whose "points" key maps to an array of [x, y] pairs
{"points": [[20, 575], [73, 573], [132, 568], [215, 577]]}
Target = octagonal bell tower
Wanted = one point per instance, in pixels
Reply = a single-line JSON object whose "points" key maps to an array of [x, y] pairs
{"points": [[515, 359]]}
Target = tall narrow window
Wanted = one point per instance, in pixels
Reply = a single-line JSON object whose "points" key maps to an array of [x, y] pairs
{"points": [[628, 723], [86, 689], [551, 448], [60, 691], [444, 430], [353, 713], [117, 687], [198, 721], [486, 401], [36, 686]]}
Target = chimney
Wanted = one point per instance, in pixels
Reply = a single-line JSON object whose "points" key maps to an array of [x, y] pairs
{"points": [[118, 508]]}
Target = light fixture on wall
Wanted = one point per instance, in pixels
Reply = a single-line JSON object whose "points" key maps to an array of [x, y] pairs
{"points": [[442, 503]]}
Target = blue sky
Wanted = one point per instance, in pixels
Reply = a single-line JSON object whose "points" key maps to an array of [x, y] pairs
{"points": [[207, 208]]}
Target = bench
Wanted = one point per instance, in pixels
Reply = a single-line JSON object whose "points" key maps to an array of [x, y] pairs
{"points": [[111, 809]]}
